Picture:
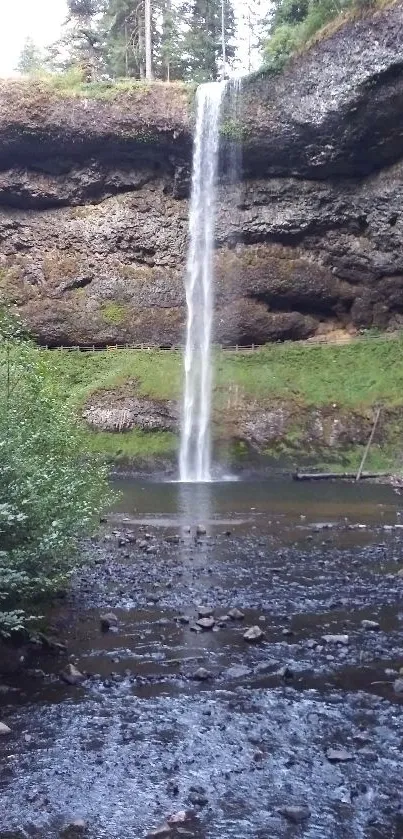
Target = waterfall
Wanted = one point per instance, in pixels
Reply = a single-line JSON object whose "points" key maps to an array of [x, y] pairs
{"points": [[195, 452]]}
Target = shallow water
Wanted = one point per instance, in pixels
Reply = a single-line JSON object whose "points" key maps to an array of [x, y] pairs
{"points": [[124, 750]]}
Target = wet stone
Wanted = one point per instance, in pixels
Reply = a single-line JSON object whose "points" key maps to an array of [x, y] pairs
{"points": [[236, 614], [253, 635], [4, 729], [336, 639], [223, 621], [201, 530], [398, 687], [184, 619], [201, 675], [339, 756], [286, 672], [238, 671], [206, 623], [198, 796], [75, 828], [296, 814], [205, 611], [372, 625], [108, 620], [71, 675], [182, 817], [160, 832]]}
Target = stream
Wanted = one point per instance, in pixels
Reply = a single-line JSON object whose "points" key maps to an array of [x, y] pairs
{"points": [[297, 735]]}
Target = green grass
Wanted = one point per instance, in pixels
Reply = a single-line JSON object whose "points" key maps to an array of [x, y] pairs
{"points": [[132, 445], [355, 377], [72, 83], [157, 374]]}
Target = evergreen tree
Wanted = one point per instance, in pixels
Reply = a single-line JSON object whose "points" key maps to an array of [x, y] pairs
{"points": [[123, 28], [83, 37], [30, 59], [203, 39], [170, 51]]}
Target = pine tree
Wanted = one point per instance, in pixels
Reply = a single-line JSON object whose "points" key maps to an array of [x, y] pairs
{"points": [[124, 32], [83, 36], [169, 50], [203, 40], [30, 59], [123, 28]]}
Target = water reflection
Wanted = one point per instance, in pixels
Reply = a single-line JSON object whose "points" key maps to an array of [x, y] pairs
{"points": [[195, 507]]}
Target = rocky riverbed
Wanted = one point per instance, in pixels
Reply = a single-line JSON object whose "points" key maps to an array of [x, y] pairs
{"points": [[232, 669]]}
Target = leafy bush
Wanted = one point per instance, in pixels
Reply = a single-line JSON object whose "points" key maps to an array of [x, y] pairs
{"points": [[50, 489], [294, 22], [281, 45]]}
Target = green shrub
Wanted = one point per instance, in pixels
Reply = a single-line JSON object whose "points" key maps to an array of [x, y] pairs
{"points": [[50, 490], [281, 45], [294, 22], [113, 313]]}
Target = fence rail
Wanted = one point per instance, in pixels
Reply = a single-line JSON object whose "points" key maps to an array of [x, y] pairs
{"points": [[241, 348]]}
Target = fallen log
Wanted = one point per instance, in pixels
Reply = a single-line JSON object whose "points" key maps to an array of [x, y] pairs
{"points": [[336, 476]]}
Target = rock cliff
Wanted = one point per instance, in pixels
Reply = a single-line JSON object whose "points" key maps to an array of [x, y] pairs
{"points": [[94, 201]]}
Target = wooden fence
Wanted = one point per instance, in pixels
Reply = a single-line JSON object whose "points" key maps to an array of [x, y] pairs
{"points": [[241, 348]]}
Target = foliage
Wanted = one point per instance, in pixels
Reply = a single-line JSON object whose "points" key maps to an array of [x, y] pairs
{"points": [[202, 40], [72, 83], [292, 23], [132, 445], [80, 46], [49, 489], [355, 376], [281, 45], [113, 313], [30, 60], [105, 39]]}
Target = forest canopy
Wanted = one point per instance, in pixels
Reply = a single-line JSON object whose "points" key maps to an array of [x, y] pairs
{"points": [[190, 40]]}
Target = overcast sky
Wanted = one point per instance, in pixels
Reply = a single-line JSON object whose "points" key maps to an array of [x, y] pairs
{"points": [[39, 19]]}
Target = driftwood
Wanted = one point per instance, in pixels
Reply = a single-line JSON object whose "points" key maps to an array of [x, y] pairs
{"points": [[330, 476], [368, 446]]}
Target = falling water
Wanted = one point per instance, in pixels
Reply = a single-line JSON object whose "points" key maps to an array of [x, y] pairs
{"points": [[195, 453]]}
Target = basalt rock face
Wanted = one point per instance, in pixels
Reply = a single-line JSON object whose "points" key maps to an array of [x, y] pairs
{"points": [[94, 202]]}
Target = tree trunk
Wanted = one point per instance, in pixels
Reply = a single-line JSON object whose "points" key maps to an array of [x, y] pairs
{"points": [[148, 39], [224, 57]]}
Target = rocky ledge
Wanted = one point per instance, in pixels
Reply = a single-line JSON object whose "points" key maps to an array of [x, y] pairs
{"points": [[94, 201], [250, 428]]}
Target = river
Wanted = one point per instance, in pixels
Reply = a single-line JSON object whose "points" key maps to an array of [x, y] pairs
{"points": [[144, 737]]}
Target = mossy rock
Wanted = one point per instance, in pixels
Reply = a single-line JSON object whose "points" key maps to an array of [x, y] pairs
{"points": [[113, 313]]}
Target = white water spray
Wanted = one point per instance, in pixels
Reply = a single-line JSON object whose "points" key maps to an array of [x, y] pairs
{"points": [[195, 452]]}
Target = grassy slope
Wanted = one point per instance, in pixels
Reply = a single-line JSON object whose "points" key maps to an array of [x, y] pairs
{"points": [[72, 84], [355, 376]]}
